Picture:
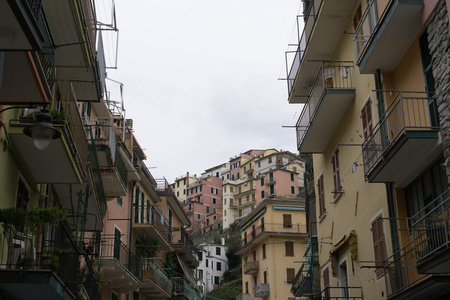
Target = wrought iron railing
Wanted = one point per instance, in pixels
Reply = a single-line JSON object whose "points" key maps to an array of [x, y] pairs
{"points": [[365, 28], [310, 17], [114, 249], [332, 75], [148, 175], [163, 187], [431, 227], [146, 214], [347, 293], [409, 111], [47, 53], [400, 270], [182, 288]]}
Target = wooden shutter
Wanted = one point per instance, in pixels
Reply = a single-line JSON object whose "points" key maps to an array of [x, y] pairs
{"points": [[326, 282], [320, 188], [287, 221], [336, 173], [379, 245], [366, 118], [290, 272], [289, 248]]}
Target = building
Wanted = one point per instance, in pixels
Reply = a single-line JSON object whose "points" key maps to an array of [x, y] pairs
{"points": [[181, 184], [204, 198], [273, 243], [269, 173], [217, 171], [375, 117], [213, 263]]}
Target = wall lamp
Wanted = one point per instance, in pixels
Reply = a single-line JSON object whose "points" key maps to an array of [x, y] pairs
{"points": [[42, 132]]}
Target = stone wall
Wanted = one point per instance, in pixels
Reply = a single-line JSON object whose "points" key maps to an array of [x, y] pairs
{"points": [[438, 36]]}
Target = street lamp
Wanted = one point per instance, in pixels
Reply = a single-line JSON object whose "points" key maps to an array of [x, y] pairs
{"points": [[42, 132]]}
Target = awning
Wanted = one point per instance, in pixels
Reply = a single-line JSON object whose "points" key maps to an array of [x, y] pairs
{"points": [[289, 208], [352, 241], [188, 273]]}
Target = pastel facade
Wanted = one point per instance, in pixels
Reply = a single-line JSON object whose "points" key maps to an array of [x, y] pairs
{"points": [[181, 184], [376, 207], [213, 263]]}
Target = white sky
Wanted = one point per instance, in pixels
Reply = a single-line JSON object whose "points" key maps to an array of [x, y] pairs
{"points": [[201, 79]]}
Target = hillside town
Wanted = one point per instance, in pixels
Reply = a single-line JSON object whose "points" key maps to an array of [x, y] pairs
{"points": [[361, 209]]}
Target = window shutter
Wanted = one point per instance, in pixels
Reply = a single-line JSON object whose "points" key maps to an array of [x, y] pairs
{"points": [[321, 196], [379, 245]]}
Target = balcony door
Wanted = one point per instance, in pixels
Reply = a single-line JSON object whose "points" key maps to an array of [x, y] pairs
{"points": [[427, 66], [117, 235]]}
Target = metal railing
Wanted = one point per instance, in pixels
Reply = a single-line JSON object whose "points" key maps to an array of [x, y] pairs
{"points": [[365, 28], [144, 214], [303, 281], [409, 111], [332, 75], [148, 175], [102, 131], [273, 227], [113, 249], [310, 18], [347, 293], [400, 270], [182, 287], [163, 187], [431, 227], [152, 271], [251, 266], [47, 53], [261, 289]]}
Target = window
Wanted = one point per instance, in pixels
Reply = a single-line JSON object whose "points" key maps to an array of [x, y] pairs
{"points": [[292, 189], [207, 221], [320, 189], [237, 175], [294, 169], [356, 19], [266, 277], [225, 201], [245, 237], [200, 256], [225, 212], [246, 287], [264, 250], [178, 184], [289, 248], [190, 206], [287, 221], [214, 200], [212, 190], [336, 174], [366, 118], [184, 192], [292, 176], [231, 189], [259, 164], [326, 282], [178, 194], [232, 177], [218, 251], [198, 199], [200, 274], [270, 176], [216, 280], [219, 266], [270, 160], [207, 263], [290, 272], [184, 181], [214, 210], [239, 189], [207, 209], [262, 181], [262, 194], [198, 216], [379, 245], [114, 296], [254, 255], [119, 201]]}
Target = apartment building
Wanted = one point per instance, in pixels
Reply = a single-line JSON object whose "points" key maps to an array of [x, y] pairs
{"points": [[371, 76], [267, 174], [181, 184], [217, 171], [204, 198], [273, 243], [213, 263]]}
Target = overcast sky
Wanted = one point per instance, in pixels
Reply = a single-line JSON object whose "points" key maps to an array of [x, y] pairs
{"points": [[201, 79]]}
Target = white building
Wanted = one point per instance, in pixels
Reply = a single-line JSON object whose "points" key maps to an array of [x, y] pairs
{"points": [[212, 264]]}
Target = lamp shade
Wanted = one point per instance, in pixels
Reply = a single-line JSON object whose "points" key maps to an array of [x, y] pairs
{"points": [[42, 132]]}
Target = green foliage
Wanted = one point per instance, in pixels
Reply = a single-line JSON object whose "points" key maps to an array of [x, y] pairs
{"points": [[147, 246], [31, 219], [170, 262], [227, 291]]}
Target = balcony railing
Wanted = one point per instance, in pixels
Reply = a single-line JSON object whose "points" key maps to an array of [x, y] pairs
{"points": [[348, 293], [179, 236], [365, 28], [431, 228], [332, 75], [274, 228], [261, 290], [251, 267], [150, 270], [163, 187], [310, 17], [47, 53], [401, 271], [182, 288], [113, 249], [151, 216], [409, 111], [101, 130]]}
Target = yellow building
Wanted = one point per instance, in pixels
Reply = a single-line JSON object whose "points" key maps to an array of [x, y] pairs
{"points": [[371, 75], [273, 243]]}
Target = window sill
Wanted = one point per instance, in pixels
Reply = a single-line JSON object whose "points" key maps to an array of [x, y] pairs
{"points": [[337, 196], [322, 217]]}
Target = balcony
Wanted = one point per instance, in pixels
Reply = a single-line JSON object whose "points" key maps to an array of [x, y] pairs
{"points": [[243, 297], [407, 132], [184, 246], [147, 221], [64, 160], [431, 232], [28, 76], [381, 43], [267, 229], [182, 289], [349, 293], [325, 22], [110, 159], [262, 290], [330, 95], [251, 267], [156, 282], [51, 271], [73, 27], [403, 280], [119, 267]]}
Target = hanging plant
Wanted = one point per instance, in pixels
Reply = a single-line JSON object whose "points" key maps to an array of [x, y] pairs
{"points": [[32, 219]]}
